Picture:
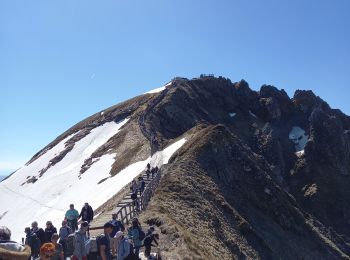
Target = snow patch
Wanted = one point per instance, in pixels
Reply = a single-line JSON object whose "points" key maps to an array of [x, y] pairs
{"points": [[298, 137], [102, 113], [159, 89], [232, 114]]}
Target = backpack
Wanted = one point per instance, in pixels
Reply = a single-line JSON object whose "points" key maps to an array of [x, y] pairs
{"points": [[148, 240], [142, 234], [70, 244]]}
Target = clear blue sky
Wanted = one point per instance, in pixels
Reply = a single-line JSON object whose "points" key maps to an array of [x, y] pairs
{"points": [[62, 60]]}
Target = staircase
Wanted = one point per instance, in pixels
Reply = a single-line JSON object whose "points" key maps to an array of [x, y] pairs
{"points": [[125, 209]]}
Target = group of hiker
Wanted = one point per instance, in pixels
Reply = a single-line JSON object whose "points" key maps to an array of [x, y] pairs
{"points": [[75, 243], [138, 186], [115, 243], [42, 240]]}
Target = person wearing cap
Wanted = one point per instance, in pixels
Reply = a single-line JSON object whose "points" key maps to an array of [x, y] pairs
{"points": [[81, 243], [123, 246], [10, 249], [104, 243], [49, 230], [72, 216]]}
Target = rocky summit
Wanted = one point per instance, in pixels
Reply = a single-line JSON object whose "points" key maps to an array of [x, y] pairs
{"points": [[260, 176]]}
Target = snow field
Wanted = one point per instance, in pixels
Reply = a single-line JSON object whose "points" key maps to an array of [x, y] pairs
{"points": [[49, 197]]}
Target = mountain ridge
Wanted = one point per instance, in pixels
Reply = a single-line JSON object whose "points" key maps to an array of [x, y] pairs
{"points": [[273, 163]]}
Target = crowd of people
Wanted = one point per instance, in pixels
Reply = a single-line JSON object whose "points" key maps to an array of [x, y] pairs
{"points": [[72, 242]]}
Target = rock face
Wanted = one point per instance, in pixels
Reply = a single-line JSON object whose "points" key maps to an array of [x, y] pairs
{"points": [[261, 176], [273, 169]]}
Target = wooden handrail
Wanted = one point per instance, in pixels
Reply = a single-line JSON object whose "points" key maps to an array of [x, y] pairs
{"points": [[142, 202]]}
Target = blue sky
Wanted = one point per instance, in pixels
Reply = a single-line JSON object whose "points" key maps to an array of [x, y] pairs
{"points": [[61, 61]]}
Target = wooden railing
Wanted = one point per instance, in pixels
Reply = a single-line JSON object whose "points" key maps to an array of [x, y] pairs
{"points": [[127, 212]]}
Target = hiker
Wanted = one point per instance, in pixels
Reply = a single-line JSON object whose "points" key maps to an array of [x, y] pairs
{"points": [[103, 242], [72, 216], [86, 213], [58, 254], [156, 169], [148, 172], [153, 171], [135, 201], [147, 242], [47, 250], [33, 242], [49, 230], [65, 230], [124, 247], [142, 185], [81, 242], [137, 235], [117, 226], [134, 187], [10, 249], [38, 231], [148, 166]]}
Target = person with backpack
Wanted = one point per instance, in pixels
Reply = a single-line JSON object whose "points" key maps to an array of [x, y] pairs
{"points": [[58, 254], [80, 243], [10, 249], [125, 249], [64, 232], [147, 242], [137, 235], [103, 242], [33, 242], [72, 216], [38, 231], [86, 213], [49, 231]]}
